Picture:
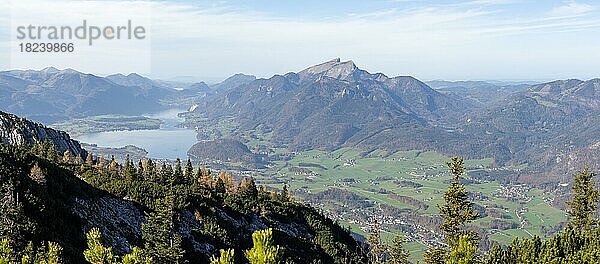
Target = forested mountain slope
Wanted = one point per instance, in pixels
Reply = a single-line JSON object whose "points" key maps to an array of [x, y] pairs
{"points": [[50, 197]]}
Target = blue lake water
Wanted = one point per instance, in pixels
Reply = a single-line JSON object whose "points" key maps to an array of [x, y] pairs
{"points": [[168, 142]]}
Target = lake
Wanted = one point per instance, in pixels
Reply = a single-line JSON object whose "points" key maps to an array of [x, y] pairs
{"points": [[168, 142]]}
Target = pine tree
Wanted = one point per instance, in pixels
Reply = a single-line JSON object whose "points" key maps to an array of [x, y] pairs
{"points": [[263, 251], [220, 186], [140, 170], [464, 252], [68, 157], [457, 211], [113, 165], [226, 257], [166, 174], [53, 254], [189, 172], [584, 203], [162, 242], [178, 177], [130, 170], [398, 254], [50, 151], [89, 160], [435, 256], [377, 249], [285, 193], [6, 252], [96, 252], [248, 188], [136, 257]]}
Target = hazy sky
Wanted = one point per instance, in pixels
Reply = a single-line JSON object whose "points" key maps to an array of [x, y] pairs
{"points": [[210, 40]]}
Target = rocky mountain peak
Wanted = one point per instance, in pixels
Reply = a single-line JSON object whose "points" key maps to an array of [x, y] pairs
{"points": [[16, 131], [50, 70], [337, 69]]}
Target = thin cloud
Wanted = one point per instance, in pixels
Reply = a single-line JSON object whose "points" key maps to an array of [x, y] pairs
{"points": [[429, 41], [571, 9]]}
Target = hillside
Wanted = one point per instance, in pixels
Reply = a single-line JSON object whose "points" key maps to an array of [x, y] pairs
{"points": [[224, 150], [330, 105], [539, 124], [48, 200], [19, 131], [482, 93], [336, 104]]}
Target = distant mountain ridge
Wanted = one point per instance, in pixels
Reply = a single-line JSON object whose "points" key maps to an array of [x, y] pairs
{"points": [[331, 104], [336, 104], [50, 95]]}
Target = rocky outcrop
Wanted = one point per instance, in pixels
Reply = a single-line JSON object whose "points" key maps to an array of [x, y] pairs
{"points": [[16, 131]]}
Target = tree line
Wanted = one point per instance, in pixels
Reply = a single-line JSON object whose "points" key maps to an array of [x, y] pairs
{"points": [[166, 189]]}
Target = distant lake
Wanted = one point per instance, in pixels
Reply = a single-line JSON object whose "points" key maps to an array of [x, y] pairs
{"points": [[168, 142]]}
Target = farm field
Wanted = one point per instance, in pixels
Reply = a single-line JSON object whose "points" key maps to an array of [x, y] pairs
{"points": [[401, 192]]}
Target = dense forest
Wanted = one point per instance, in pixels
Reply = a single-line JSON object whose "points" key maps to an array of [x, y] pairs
{"points": [[175, 213]]}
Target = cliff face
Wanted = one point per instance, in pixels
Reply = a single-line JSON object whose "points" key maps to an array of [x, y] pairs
{"points": [[15, 131]]}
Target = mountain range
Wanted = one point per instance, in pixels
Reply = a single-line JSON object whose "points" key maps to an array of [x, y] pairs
{"points": [[336, 104]]}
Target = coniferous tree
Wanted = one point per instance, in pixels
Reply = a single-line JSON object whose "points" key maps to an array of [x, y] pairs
{"points": [[458, 210], [14, 225], [140, 170], [249, 189], [113, 165], [497, 255], [377, 249], [6, 252], [228, 182], [464, 252], [68, 157], [151, 173], [584, 203], [166, 174], [162, 241], [136, 256], [50, 151], [52, 256], [204, 177], [89, 159], [435, 255], [101, 162], [398, 254], [178, 173], [226, 257], [263, 251], [285, 193], [220, 186], [130, 170], [189, 172], [96, 252]]}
